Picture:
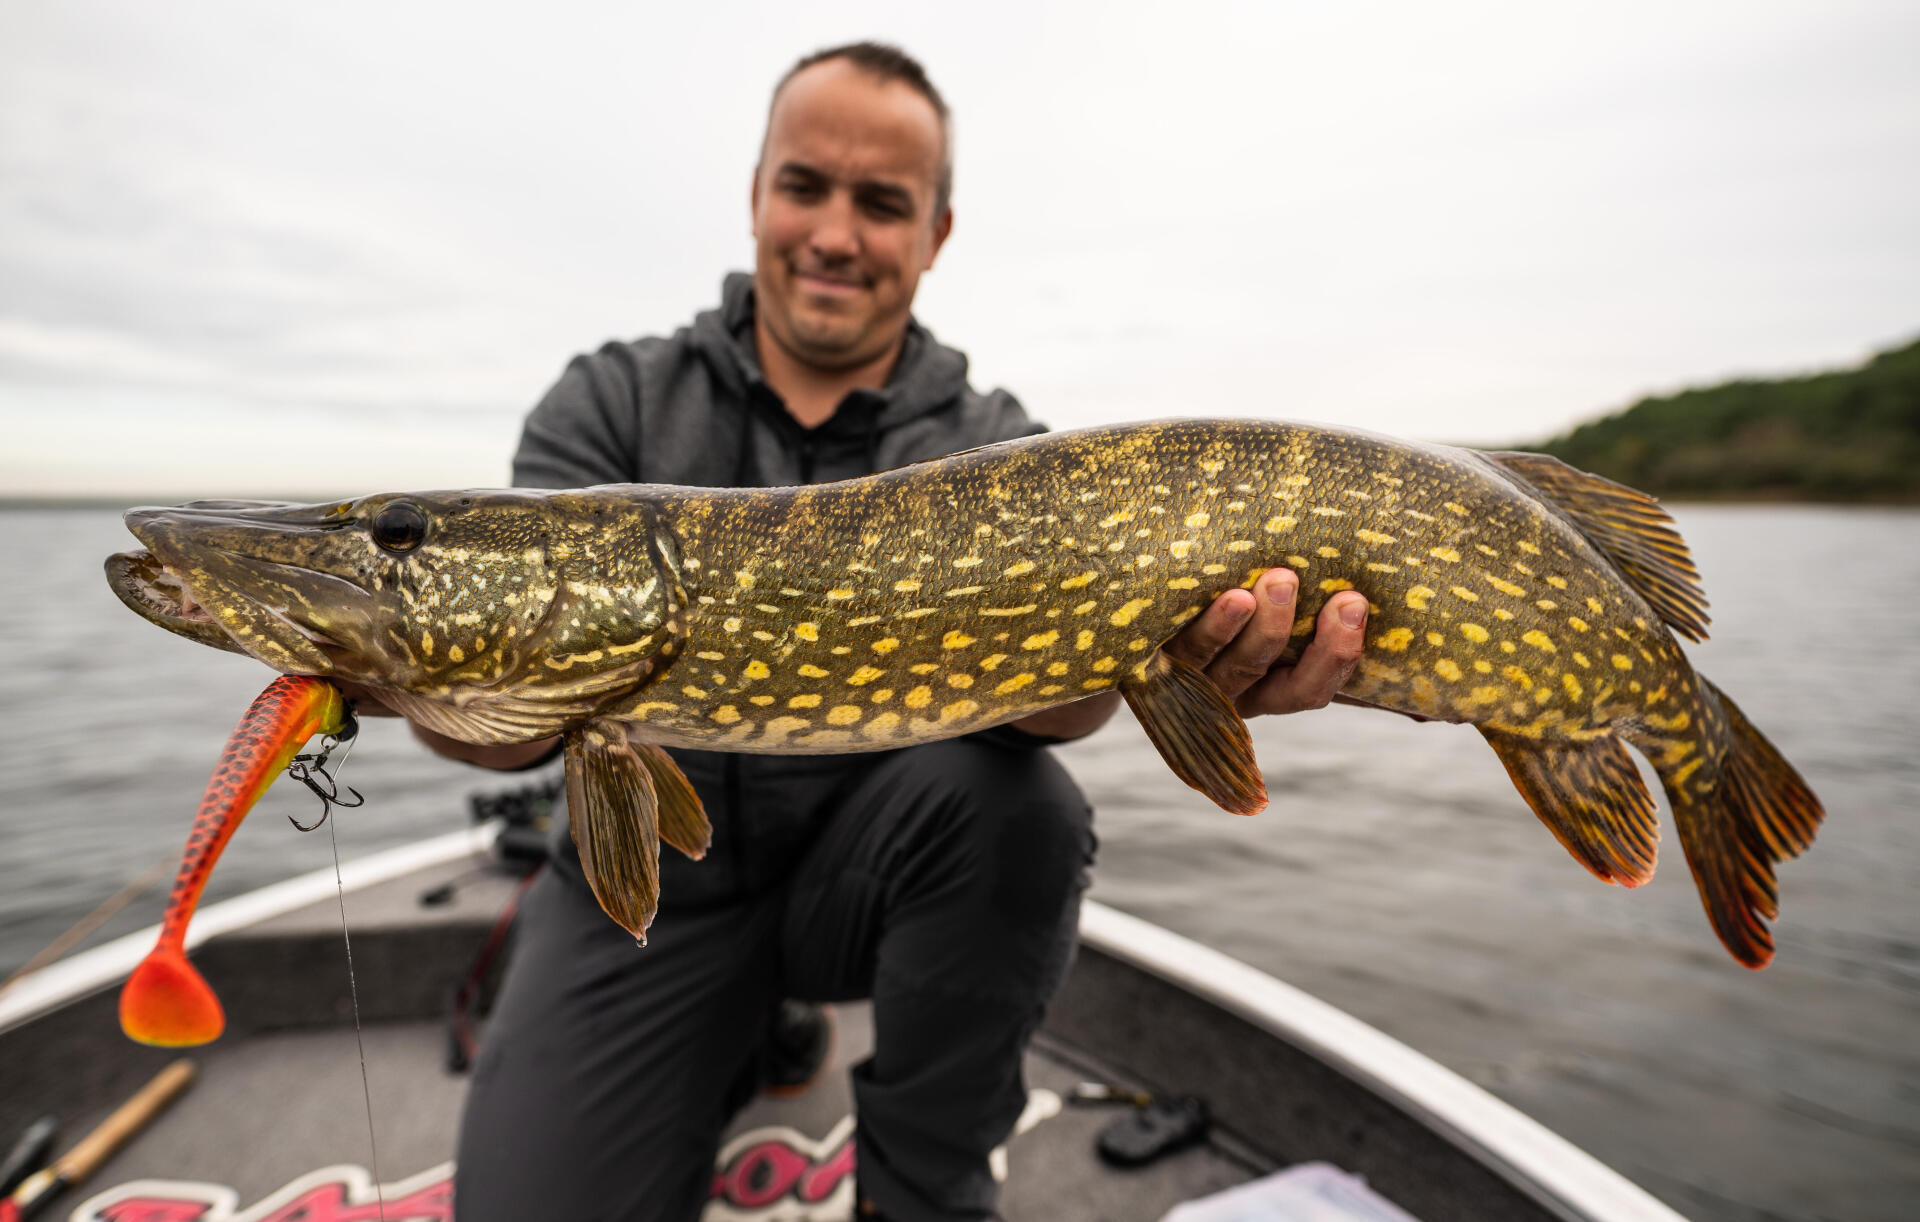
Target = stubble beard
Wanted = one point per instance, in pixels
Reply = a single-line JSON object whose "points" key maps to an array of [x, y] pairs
{"points": [[828, 343]]}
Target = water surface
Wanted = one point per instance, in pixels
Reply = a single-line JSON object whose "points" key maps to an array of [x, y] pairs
{"points": [[1397, 873]]}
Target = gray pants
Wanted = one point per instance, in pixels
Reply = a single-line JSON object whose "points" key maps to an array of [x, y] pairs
{"points": [[944, 883]]}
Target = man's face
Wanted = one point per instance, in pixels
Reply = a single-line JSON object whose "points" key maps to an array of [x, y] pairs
{"points": [[843, 213]]}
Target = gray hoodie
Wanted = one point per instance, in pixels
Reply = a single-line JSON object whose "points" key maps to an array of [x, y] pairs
{"points": [[695, 409]]}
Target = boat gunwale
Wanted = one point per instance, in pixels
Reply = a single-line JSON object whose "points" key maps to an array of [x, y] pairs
{"points": [[1548, 1168], [104, 966]]}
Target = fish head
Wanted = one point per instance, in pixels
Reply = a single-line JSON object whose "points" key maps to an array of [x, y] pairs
{"points": [[478, 601]]}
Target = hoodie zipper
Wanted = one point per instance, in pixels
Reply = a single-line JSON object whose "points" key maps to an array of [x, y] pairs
{"points": [[809, 446]]}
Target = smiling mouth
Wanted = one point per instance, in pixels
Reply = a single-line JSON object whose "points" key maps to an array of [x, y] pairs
{"points": [[822, 280]]}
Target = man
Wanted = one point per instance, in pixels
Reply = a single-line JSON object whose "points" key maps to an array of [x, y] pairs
{"points": [[941, 881]]}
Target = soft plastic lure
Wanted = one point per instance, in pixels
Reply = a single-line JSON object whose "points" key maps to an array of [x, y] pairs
{"points": [[166, 1001]]}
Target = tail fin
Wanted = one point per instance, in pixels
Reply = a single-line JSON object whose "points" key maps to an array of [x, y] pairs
{"points": [[1734, 826], [168, 1003]]}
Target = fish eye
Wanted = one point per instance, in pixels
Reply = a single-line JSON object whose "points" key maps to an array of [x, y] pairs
{"points": [[399, 527]]}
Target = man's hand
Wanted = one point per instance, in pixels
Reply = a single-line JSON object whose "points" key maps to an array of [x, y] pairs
{"points": [[505, 757], [1237, 639], [1234, 643]]}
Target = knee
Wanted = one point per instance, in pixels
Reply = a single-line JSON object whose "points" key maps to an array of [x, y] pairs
{"points": [[1031, 824]]}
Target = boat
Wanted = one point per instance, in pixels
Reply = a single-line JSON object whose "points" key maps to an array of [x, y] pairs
{"points": [[275, 1127]]}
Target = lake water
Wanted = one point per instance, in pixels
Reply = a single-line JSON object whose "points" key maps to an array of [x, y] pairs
{"points": [[1397, 874]]}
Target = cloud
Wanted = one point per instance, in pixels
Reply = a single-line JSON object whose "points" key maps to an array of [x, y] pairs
{"points": [[1470, 221]]}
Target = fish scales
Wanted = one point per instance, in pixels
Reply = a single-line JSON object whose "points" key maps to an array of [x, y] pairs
{"points": [[1509, 591], [949, 596]]}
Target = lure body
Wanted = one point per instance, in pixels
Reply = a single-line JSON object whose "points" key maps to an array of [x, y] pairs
{"points": [[166, 1001]]}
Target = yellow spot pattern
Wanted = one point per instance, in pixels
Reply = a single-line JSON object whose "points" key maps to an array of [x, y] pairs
{"points": [[1127, 613]]}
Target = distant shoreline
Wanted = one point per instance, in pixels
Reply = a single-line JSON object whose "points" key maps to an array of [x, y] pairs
{"points": [[1845, 436], [61, 501]]}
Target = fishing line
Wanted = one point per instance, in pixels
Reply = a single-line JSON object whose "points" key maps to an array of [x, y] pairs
{"points": [[305, 769], [353, 992]]}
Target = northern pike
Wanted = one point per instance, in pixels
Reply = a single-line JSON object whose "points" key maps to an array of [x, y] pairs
{"points": [[166, 1001], [1509, 591]]}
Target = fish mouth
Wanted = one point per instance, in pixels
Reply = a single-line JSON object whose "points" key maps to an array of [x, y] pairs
{"points": [[201, 579], [160, 596]]}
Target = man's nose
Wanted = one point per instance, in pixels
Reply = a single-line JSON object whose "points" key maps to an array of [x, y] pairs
{"points": [[836, 231]]}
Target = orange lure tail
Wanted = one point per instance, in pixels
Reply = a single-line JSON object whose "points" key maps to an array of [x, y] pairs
{"points": [[166, 1001]]}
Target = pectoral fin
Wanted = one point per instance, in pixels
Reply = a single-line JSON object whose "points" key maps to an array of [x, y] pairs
{"points": [[613, 812], [683, 820], [1591, 798], [1198, 732]]}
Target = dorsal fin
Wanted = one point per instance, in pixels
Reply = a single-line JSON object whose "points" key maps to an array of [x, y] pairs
{"points": [[1629, 528]]}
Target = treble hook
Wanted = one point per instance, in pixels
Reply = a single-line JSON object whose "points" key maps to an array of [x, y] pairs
{"points": [[311, 771]]}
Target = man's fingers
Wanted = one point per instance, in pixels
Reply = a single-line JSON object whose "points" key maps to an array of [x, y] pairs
{"points": [[1201, 641], [1246, 659], [1339, 637]]}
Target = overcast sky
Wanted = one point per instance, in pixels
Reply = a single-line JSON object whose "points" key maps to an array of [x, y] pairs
{"points": [[332, 248]]}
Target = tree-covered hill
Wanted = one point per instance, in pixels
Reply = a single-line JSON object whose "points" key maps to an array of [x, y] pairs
{"points": [[1848, 435]]}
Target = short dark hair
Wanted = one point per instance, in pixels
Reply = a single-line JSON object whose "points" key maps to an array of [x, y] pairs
{"points": [[889, 63]]}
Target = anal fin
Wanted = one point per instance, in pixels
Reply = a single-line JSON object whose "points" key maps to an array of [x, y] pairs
{"points": [[613, 814], [1198, 732], [1590, 796]]}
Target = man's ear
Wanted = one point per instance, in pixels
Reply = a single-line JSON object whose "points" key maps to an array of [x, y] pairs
{"points": [[753, 203], [941, 229]]}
